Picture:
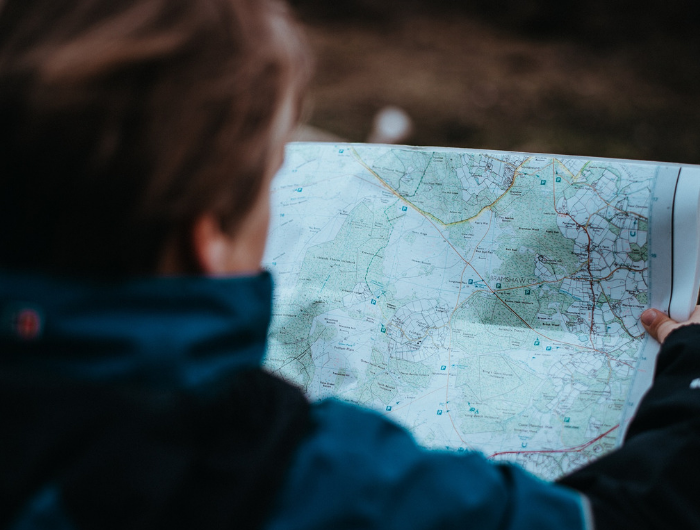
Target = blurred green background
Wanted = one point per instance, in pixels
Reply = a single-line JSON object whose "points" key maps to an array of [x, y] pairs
{"points": [[615, 79]]}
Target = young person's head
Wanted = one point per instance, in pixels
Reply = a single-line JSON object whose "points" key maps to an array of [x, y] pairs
{"points": [[139, 136]]}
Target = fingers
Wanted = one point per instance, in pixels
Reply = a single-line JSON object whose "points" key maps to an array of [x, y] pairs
{"points": [[658, 325]]}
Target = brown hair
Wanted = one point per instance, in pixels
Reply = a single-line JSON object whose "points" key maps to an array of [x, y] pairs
{"points": [[123, 121]]}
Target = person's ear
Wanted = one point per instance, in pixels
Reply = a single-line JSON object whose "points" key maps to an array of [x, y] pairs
{"points": [[216, 252], [211, 246]]}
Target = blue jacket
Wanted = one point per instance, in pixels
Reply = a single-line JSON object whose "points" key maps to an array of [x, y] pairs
{"points": [[355, 469]]}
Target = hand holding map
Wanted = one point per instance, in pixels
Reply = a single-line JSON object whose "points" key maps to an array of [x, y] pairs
{"points": [[659, 325]]}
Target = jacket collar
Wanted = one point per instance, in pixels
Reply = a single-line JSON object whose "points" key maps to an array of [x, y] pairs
{"points": [[169, 332]]}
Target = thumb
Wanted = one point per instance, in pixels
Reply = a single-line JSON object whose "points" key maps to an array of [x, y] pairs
{"points": [[659, 325]]}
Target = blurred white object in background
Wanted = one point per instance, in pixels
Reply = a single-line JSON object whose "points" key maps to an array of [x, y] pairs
{"points": [[392, 125]]}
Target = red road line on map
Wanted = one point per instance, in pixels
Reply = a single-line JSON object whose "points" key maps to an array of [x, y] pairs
{"points": [[576, 449]]}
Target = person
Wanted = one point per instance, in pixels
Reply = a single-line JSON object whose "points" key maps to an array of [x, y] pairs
{"points": [[137, 143]]}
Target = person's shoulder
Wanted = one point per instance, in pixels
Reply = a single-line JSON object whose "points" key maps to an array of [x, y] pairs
{"points": [[349, 424], [357, 468]]}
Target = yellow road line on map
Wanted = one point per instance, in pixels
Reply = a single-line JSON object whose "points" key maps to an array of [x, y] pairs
{"points": [[428, 214]]}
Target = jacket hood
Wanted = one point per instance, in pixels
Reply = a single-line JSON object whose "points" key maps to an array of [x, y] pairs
{"points": [[164, 332]]}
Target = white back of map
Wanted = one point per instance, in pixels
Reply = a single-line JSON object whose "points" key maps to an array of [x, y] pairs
{"points": [[686, 244]]}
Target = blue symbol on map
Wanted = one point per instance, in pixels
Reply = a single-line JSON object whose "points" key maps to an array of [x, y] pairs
{"points": [[567, 419], [632, 234], [388, 408], [299, 190], [374, 302], [527, 291], [342, 151], [443, 367], [472, 409], [549, 348], [543, 182], [439, 412], [404, 208], [470, 282], [498, 286], [523, 445], [281, 215], [537, 342], [383, 329], [558, 179]]}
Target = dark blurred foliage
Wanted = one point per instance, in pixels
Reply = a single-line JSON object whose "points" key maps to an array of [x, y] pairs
{"points": [[616, 78]]}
